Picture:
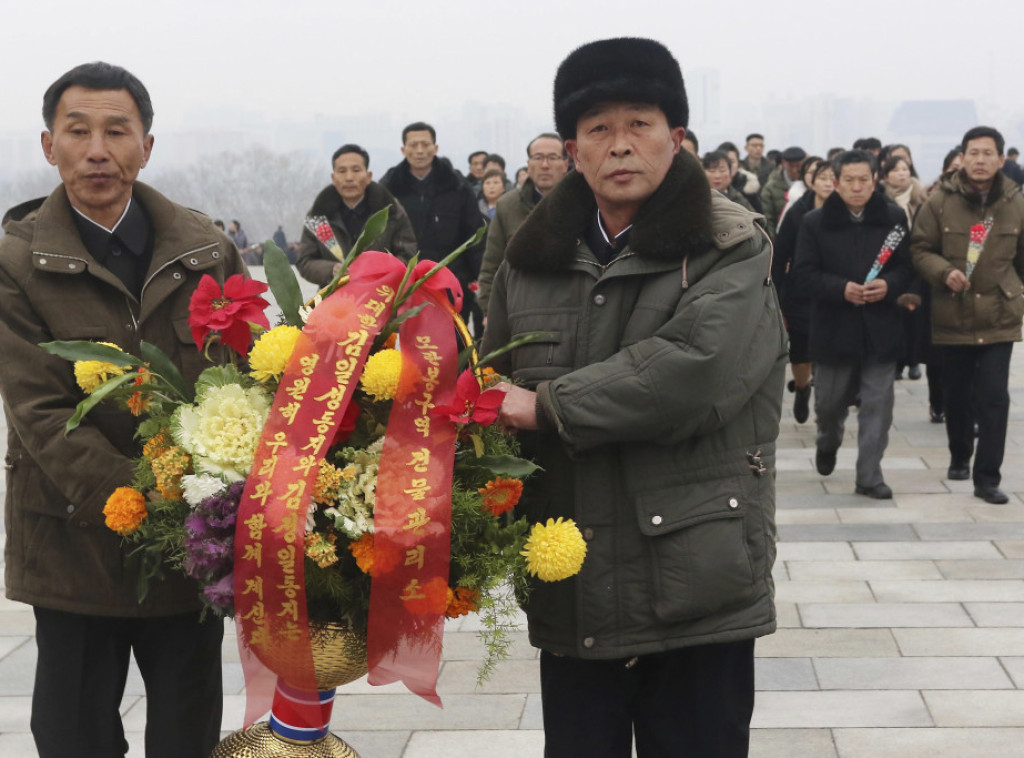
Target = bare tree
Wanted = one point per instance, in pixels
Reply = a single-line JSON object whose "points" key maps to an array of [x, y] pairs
{"points": [[258, 187]]}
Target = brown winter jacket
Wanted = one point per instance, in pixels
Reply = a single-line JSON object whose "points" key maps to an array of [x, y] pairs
{"points": [[991, 310], [59, 554]]}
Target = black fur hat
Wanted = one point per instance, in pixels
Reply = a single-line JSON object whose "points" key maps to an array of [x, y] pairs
{"points": [[623, 69]]}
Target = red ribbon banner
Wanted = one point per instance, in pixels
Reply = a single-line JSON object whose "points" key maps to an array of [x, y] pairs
{"points": [[412, 514], [317, 386]]}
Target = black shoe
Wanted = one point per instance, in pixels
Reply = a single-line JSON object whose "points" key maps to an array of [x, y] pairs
{"points": [[992, 495], [937, 417], [801, 404], [880, 491], [824, 462], [958, 471], [914, 372]]}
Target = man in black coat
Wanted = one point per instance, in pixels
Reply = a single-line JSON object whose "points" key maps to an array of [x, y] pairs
{"points": [[441, 205], [852, 261]]}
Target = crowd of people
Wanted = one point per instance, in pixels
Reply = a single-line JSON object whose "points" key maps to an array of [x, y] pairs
{"points": [[878, 274], [663, 292]]}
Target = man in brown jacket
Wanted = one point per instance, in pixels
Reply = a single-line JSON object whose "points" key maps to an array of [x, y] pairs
{"points": [[103, 258], [968, 243]]}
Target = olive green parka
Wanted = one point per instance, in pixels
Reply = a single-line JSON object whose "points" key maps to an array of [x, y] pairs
{"points": [[659, 385]]}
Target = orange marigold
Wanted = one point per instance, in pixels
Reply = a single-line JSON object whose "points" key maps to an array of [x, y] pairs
{"points": [[374, 559], [139, 403], [424, 599], [391, 341], [489, 376], [125, 509], [501, 495], [461, 602]]}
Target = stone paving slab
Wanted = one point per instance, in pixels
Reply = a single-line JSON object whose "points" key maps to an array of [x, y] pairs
{"points": [[886, 615], [811, 710], [864, 570], [911, 673], [928, 743], [989, 708]]}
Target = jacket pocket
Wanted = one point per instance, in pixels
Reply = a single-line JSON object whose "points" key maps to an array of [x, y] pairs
{"points": [[701, 564], [1012, 299], [546, 357]]}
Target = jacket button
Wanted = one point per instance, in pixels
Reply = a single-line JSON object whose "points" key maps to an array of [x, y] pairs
{"points": [[977, 294], [193, 261], [589, 642], [734, 503], [588, 534], [656, 520], [215, 254], [72, 266], [177, 275], [43, 261], [599, 299], [71, 508]]}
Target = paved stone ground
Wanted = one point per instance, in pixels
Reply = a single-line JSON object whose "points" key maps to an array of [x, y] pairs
{"points": [[901, 626]]}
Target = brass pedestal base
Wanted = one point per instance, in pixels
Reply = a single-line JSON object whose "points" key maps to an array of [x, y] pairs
{"points": [[259, 742]]}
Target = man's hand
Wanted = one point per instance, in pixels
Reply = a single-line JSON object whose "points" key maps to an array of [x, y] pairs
{"points": [[875, 290], [957, 281], [519, 409], [854, 293]]}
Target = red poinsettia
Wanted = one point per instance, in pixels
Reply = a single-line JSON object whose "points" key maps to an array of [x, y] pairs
{"points": [[227, 312], [470, 403]]}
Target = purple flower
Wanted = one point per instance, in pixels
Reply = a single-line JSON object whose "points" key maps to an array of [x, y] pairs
{"points": [[210, 545]]}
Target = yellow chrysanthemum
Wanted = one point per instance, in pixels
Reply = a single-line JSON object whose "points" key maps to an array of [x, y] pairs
{"points": [[124, 510], [168, 468], [91, 374], [381, 374], [328, 481], [269, 356], [555, 551], [322, 549]]}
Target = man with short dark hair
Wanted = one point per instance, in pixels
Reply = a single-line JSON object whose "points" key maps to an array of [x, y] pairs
{"points": [[103, 258], [476, 171], [755, 161], [1011, 168], [852, 262], [775, 192], [744, 182], [871, 145], [347, 203], [441, 206], [547, 163], [968, 243], [651, 401]]}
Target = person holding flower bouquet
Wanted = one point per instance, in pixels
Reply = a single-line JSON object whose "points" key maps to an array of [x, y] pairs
{"points": [[103, 258], [968, 244], [651, 401], [852, 262]]}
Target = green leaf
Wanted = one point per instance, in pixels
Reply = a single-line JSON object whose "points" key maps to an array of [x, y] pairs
{"points": [[283, 283], [163, 367], [372, 229], [95, 398], [452, 256], [506, 465], [517, 342], [83, 350], [478, 445], [220, 376]]}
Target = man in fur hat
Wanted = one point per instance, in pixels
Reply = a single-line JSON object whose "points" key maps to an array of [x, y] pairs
{"points": [[652, 402]]}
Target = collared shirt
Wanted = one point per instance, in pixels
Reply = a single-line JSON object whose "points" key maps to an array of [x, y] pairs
{"points": [[599, 243], [355, 218], [126, 250]]}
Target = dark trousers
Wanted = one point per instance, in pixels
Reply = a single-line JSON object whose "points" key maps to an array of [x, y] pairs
{"points": [[693, 702], [976, 379], [80, 678]]}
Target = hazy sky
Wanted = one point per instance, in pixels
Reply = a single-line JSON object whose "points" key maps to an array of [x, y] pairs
{"points": [[265, 57]]}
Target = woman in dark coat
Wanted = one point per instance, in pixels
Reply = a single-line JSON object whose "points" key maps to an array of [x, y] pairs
{"points": [[795, 308]]}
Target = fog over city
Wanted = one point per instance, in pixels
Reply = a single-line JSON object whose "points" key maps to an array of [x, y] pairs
{"points": [[259, 80]]}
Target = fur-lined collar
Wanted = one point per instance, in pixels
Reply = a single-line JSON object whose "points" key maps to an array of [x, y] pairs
{"points": [[956, 184], [674, 222], [878, 211]]}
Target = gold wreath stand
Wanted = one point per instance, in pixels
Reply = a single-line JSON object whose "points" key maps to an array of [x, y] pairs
{"points": [[339, 657]]}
